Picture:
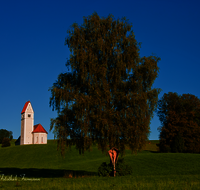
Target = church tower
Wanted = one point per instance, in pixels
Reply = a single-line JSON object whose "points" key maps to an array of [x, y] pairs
{"points": [[27, 121]]}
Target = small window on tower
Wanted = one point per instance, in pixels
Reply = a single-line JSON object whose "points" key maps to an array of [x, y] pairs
{"points": [[29, 115]]}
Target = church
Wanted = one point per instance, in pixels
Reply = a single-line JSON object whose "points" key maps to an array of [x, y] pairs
{"points": [[30, 133]]}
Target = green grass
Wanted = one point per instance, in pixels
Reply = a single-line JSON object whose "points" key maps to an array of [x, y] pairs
{"points": [[151, 170]]}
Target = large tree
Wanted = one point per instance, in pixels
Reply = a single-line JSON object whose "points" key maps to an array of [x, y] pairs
{"points": [[180, 119], [99, 101]]}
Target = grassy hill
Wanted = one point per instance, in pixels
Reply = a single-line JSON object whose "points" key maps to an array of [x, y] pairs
{"points": [[44, 162]]}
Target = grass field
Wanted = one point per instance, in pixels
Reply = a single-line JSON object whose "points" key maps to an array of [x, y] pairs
{"points": [[42, 167]]}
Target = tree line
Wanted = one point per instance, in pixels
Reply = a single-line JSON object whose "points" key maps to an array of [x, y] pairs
{"points": [[180, 119]]}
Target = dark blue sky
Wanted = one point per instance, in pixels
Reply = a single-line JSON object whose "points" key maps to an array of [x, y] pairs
{"points": [[32, 51]]}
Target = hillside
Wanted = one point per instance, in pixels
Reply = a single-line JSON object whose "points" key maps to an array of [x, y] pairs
{"points": [[46, 161]]}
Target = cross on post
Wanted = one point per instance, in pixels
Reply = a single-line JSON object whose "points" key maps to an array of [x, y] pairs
{"points": [[113, 153]]}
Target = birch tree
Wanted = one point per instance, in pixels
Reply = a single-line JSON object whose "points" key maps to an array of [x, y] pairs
{"points": [[110, 106]]}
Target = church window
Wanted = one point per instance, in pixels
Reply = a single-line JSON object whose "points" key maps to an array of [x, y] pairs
{"points": [[29, 115], [42, 140]]}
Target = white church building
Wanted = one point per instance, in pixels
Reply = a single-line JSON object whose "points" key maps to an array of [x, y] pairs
{"points": [[30, 133]]}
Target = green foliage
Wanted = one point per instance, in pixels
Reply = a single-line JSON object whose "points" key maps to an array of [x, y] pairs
{"points": [[122, 169], [99, 101], [180, 119], [5, 133], [5, 142], [105, 170]]}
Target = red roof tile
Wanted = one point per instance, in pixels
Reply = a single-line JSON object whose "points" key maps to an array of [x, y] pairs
{"points": [[25, 106], [39, 129]]}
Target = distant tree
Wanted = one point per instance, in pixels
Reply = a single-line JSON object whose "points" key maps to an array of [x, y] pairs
{"points": [[5, 133], [5, 142], [180, 119], [111, 107]]}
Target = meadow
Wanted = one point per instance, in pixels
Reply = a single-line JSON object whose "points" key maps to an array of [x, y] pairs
{"points": [[42, 167]]}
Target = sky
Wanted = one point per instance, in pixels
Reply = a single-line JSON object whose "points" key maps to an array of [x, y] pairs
{"points": [[33, 54]]}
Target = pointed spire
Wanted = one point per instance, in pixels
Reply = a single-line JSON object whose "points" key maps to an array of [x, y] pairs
{"points": [[25, 106]]}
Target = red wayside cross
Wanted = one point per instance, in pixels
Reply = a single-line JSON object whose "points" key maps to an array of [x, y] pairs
{"points": [[113, 153]]}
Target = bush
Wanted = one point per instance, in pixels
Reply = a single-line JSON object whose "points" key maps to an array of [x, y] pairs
{"points": [[105, 170], [5, 142], [121, 168]]}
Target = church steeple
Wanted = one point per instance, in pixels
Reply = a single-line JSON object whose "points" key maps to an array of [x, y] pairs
{"points": [[27, 122]]}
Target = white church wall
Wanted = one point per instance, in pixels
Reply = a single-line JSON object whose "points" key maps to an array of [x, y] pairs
{"points": [[29, 121], [40, 138]]}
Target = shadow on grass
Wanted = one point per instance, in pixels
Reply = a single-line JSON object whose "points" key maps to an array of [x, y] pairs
{"points": [[154, 151], [44, 173], [151, 151]]}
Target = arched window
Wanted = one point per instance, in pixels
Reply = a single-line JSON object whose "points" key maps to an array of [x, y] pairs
{"points": [[36, 139], [42, 140]]}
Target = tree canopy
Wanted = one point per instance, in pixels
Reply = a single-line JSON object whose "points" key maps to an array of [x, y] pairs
{"points": [[110, 106], [180, 119], [4, 133]]}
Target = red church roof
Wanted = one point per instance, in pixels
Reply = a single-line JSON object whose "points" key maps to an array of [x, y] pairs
{"points": [[25, 106], [39, 129]]}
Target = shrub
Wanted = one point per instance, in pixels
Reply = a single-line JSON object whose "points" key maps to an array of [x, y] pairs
{"points": [[105, 170], [5, 142], [122, 169]]}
